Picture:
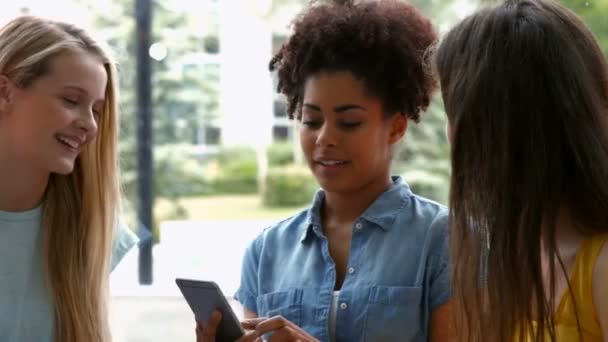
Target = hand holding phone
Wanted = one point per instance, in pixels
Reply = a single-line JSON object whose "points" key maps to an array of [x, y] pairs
{"points": [[204, 297]]}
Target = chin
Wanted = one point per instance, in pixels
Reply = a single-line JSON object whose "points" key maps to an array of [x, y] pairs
{"points": [[63, 168], [335, 186]]}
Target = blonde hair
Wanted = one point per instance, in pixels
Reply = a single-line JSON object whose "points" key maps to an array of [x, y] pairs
{"points": [[80, 209]]}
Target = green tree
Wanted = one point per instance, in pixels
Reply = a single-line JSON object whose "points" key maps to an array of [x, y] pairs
{"points": [[184, 86], [595, 15], [423, 159]]}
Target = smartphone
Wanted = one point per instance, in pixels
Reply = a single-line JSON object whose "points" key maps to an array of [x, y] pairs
{"points": [[205, 296]]}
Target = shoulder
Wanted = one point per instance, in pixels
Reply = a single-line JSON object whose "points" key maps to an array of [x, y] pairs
{"points": [[268, 251], [417, 214], [600, 279], [287, 229], [124, 240], [282, 233], [428, 209], [600, 271], [429, 218]]}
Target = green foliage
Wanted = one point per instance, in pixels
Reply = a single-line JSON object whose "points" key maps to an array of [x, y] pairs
{"points": [[227, 155], [423, 160], [434, 186], [595, 14], [238, 171], [428, 138], [289, 186], [280, 154], [184, 93], [177, 173]]}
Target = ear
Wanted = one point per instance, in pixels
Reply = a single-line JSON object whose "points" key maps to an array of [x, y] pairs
{"points": [[398, 127], [7, 92]]}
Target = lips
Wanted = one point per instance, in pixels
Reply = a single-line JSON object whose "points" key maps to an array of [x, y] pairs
{"points": [[71, 142], [329, 167], [332, 162]]}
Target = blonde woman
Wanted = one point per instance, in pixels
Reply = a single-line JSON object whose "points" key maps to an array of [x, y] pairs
{"points": [[59, 192]]}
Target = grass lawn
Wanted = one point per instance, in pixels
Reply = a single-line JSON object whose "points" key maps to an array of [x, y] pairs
{"points": [[225, 207]]}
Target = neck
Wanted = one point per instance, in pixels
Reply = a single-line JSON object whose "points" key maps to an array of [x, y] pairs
{"points": [[568, 240], [21, 188], [567, 236], [345, 208]]}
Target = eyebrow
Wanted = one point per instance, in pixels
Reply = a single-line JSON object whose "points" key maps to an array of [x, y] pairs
{"points": [[337, 109], [345, 107]]}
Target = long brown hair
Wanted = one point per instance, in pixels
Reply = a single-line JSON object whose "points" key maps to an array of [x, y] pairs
{"points": [[525, 87], [80, 209]]}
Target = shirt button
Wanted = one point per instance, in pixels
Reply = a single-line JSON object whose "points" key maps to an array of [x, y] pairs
{"points": [[351, 270], [343, 306], [358, 225]]}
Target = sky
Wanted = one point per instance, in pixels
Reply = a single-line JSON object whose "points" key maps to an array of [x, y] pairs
{"points": [[70, 11]]}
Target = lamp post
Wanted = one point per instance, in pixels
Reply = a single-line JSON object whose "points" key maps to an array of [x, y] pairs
{"points": [[145, 184]]}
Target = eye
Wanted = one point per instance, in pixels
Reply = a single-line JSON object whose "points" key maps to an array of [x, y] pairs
{"points": [[350, 125], [70, 101], [312, 123]]}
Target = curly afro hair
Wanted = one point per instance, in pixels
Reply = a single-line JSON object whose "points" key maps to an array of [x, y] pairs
{"points": [[384, 43]]}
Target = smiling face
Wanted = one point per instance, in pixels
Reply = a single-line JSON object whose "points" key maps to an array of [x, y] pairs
{"points": [[346, 137], [46, 124]]}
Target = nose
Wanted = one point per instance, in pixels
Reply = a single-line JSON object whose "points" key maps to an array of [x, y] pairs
{"points": [[88, 123], [327, 136]]}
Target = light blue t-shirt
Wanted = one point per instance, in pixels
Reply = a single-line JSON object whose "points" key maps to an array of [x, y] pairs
{"points": [[26, 312], [397, 272]]}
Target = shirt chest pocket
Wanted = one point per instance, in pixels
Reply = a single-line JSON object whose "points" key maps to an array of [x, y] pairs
{"points": [[395, 314], [285, 303]]}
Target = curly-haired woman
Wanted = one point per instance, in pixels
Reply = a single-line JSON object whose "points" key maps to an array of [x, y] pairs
{"points": [[368, 260]]}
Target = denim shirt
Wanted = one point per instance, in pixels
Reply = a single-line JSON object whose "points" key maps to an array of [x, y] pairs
{"points": [[397, 272]]}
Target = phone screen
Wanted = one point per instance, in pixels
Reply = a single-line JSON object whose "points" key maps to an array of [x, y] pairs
{"points": [[205, 296]]}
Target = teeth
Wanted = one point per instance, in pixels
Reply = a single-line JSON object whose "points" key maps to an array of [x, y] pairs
{"points": [[331, 162], [70, 142]]}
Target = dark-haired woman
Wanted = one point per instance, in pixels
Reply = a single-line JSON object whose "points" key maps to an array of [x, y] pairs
{"points": [[525, 87]]}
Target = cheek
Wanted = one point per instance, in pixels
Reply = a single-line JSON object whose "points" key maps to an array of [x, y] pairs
{"points": [[42, 115], [25, 124], [374, 149], [307, 141], [27, 136]]}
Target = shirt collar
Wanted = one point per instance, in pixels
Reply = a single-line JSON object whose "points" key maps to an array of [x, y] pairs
{"points": [[381, 213], [312, 224]]}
